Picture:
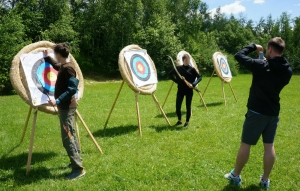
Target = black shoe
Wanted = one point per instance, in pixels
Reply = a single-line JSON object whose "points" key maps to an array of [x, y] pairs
{"points": [[186, 125], [179, 123]]}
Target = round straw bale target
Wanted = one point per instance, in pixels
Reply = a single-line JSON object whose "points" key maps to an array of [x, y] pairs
{"points": [[141, 68], [18, 78], [222, 68], [180, 61]]}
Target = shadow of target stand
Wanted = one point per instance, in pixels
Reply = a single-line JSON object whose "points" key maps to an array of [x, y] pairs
{"points": [[140, 75], [222, 70], [20, 84]]}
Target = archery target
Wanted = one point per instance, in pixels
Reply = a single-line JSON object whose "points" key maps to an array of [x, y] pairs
{"points": [[44, 76], [141, 71], [224, 66], [140, 67], [40, 76]]}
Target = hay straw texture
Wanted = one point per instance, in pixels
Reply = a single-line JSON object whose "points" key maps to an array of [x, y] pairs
{"points": [[217, 67], [18, 79], [180, 54], [125, 71]]}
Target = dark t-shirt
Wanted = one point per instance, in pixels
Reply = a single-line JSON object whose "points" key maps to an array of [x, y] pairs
{"points": [[269, 78], [65, 72]]}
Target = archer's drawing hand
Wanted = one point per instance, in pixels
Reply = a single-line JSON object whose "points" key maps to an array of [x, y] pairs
{"points": [[52, 102], [46, 52], [259, 48]]}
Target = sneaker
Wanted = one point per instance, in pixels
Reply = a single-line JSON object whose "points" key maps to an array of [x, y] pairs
{"points": [[186, 125], [264, 184], [76, 174], [237, 180], [178, 123]]}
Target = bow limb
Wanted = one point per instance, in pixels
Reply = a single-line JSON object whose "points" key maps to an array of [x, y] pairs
{"points": [[176, 68]]}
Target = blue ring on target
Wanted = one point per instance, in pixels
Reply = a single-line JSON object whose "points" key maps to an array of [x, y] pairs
{"points": [[39, 75], [140, 67], [224, 63]]}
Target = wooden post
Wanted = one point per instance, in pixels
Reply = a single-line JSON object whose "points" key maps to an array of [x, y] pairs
{"points": [[162, 111], [223, 92], [26, 124], [208, 82], [89, 132], [31, 140], [167, 95], [77, 132], [201, 97], [138, 113], [113, 106], [233, 92]]}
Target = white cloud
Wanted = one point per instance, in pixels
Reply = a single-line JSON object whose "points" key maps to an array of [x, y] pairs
{"points": [[298, 5], [259, 1], [290, 11], [234, 8]]}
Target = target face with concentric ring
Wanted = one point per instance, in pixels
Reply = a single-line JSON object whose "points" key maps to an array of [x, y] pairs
{"points": [[140, 67], [224, 66], [44, 76]]}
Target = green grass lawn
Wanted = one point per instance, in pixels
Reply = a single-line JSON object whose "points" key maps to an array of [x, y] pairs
{"points": [[165, 158]]}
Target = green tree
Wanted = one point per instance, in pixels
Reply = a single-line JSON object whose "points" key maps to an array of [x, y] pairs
{"points": [[11, 41]]}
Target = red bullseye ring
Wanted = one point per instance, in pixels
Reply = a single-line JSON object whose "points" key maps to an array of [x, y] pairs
{"points": [[49, 75], [140, 67]]}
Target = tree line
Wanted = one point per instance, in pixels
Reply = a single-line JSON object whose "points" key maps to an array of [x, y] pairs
{"points": [[96, 31]]}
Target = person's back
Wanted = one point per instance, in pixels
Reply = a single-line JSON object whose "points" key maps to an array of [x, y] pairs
{"points": [[269, 78]]}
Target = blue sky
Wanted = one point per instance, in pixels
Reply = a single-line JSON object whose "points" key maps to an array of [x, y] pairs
{"points": [[255, 9]]}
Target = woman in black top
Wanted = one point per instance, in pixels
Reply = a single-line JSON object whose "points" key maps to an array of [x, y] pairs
{"points": [[193, 77]]}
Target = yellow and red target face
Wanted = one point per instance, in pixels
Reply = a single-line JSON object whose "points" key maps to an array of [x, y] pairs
{"points": [[44, 76], [140, 67], [224, 66]]}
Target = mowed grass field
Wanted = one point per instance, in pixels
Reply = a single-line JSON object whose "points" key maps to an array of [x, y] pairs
{"points": [[164, 158]]}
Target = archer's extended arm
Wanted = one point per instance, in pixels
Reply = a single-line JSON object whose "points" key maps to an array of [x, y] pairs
{"points": [[51, 61]]}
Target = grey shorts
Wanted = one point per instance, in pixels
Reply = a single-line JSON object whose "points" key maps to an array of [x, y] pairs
{"points": [[258, 124]]}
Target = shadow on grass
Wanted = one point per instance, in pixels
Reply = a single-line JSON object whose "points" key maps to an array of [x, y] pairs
{"points": [[115, 131], [17, 164], [231, 187], [170, 115], [160, 129], [212, 104]]}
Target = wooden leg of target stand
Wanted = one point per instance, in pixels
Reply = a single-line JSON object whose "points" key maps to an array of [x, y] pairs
{"points": [[233, 92], [77, 132], [208, 82], [89, 132], [167, 95], [223, 92], [31, 140], [113, 106], [161, 110], [138, 112], [201, 97], [26, 124]]}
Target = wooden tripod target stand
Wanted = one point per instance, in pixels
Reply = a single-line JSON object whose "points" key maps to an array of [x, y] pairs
{"points": [[35, 111], [137, 108], [136, 70], [222, 70]]}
